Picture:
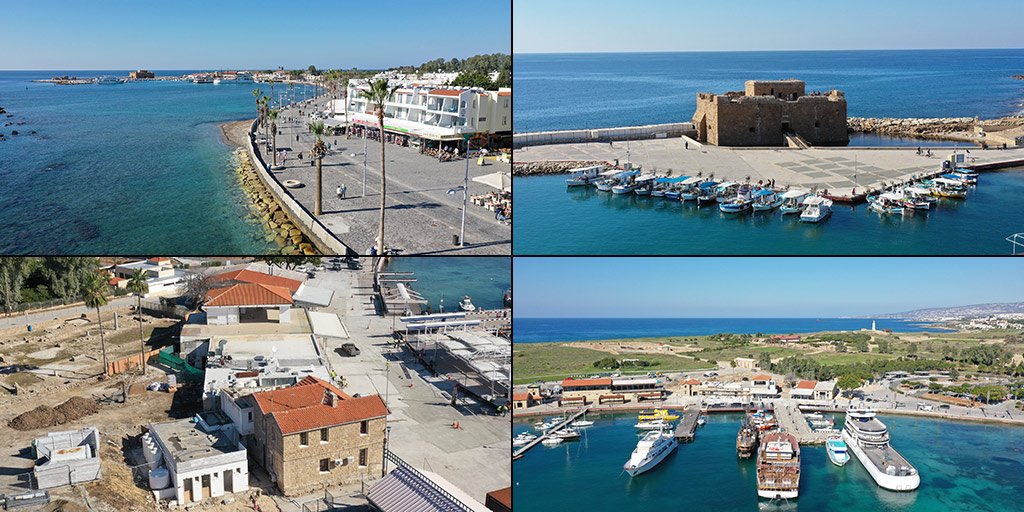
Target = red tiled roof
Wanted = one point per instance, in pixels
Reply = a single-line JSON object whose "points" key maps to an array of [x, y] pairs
{"points": [[762, 377], [158, 260], [520, 397], [303, 407], [445, 92], [573, 383], [248, 294], [806, 384], [505, 93], [115, 280], [250, 276], [692, 382]]}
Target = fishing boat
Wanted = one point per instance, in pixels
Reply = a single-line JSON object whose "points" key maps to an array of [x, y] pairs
{"points": [[836, 448], [968, 175], [962, 178], [643, 185], [202, 79], [766, 200], [887, 204], [918, 198], [816, 208], [604, 185], [704, 193], [739, 203], [664, 186], [684, 190], [583, 176], [726, 191], [746, 440], [778, 467], [653, 425], [650, 451], [792, 201], [466, 304], [868, 439], [763, 420], [943, 187], [658, 414]]}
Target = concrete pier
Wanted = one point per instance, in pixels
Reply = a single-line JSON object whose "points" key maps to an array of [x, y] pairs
{"points": [[792, 421], [519, 453], [841, 171], [686, 430]]}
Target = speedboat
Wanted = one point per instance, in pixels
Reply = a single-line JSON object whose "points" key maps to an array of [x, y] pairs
{"points": [[701, 420], [868, 439], [766, 200], [887, 204], [792, 201], [778, 467], [653, 425], [836, 448], [466, 304], [567, 434], [523, 439], [816, 208], [651, 450], [583, 176]]}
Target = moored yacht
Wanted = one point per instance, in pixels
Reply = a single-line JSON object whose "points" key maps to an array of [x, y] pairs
{"points": [[467, 304], [778, 466], [816, 208], [650, 451], [868, 439], [653, 424]]}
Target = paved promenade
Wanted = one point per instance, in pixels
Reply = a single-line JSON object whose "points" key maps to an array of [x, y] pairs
{"points": [[839, 170], [421, 217]]}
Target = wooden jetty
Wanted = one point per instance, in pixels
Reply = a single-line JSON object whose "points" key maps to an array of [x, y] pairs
{"points": [[686, 430], [519, 453]]}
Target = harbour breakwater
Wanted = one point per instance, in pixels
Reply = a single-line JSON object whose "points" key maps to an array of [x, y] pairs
{"points": [[280, 228], [944, 128], [551, 167]]}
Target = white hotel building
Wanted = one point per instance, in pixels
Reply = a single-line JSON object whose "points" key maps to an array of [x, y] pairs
{"points": [[434, 114]]}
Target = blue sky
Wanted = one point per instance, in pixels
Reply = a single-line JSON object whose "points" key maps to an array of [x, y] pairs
{"points": [[758, 287], [543, 26], [215, 34]]}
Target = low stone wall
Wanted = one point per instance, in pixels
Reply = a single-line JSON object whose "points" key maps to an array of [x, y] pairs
{"points": [[550, 167], [650, 131], [318, 234]]}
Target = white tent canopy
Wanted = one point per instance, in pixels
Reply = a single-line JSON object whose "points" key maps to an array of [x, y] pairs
{"points": [[498, 180]]}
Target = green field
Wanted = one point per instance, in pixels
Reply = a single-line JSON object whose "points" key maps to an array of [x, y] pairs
{"points": [[553, 361]]}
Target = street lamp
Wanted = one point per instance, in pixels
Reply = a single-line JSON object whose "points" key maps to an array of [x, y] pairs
{"points": [[465, 199]]}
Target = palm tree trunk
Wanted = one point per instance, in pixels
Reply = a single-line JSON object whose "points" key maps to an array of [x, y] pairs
{"points": [[383, 187], [319, 188], [142, 338], [103, 342], [273, 146]]}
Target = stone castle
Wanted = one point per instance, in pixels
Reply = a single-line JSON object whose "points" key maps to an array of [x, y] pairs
{"points": [[771, 113]]}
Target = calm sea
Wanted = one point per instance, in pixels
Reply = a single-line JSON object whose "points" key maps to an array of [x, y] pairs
{"points": [[484, 279], [567, 91], [535, 330], [136, 168], [965, 467]]}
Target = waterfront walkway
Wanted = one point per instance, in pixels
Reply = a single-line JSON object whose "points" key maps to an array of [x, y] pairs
{"points": [[839, 170], [421, 216]]}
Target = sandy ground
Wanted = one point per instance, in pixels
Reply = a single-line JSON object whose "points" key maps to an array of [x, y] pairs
{"points": [[234, 133], [633, 347]]}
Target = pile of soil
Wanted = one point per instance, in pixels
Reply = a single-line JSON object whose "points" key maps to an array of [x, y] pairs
{"points": [[46, 416]]}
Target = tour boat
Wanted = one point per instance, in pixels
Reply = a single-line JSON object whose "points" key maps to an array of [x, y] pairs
{"points": [[868, 439], [815, 209], [887, 204], [658, 414], [746, 440], [792, 201], [943, 187], [766, 200], [778, 467], [651, 450], [466, 304], [653, 425], [836, 448], [583, 176]]}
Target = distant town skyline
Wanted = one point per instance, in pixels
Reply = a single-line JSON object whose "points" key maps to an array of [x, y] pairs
{"points": [[256, 34], [747, 25], [758, 287]]}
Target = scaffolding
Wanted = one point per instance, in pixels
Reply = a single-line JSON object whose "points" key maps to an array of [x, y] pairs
{"points": [[481, 361]]}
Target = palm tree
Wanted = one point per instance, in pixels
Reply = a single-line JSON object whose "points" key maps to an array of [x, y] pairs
{"points": [[137, 285], [266, 107], [319, 151], [378, 95], [256, 94], [94, 293], [272, 118]]}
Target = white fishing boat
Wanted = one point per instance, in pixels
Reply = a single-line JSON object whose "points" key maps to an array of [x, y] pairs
{"points": [[216, 81], [583, 176], [837, 450], [643, 186], [705, 193], [887, 204], [726, 191], [766, 200], [650, 451], [604, 185], [868, 439], [623, 188], [739, 203], [685, 190], [792, 201], [816, 208], [943, 187]]}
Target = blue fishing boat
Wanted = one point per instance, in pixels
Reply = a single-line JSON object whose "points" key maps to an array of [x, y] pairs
{"points": [[766, 200]]}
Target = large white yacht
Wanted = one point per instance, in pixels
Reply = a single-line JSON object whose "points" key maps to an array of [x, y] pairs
{"points": [[868, 439], [652, 449]]}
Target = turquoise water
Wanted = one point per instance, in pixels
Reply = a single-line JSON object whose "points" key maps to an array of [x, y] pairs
{"points": [[597, 90], [484, 279], [964, 467], [551, 219], [136, 168]]}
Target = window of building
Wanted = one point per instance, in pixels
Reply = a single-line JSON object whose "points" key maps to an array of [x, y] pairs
{"points": [[364, 427], [362, 457], [250, 415], [482, 119], [325, 465], [304, 439], [324, 435], [504, 120]]}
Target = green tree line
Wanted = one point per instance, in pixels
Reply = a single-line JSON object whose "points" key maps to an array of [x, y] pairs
{"points": [[26, 280]]}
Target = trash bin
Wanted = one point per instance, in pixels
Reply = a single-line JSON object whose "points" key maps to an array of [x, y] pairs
{"points": [[455, 239]]}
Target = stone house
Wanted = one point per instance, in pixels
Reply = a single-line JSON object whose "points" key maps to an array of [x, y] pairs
{"points": [[311, 436]]}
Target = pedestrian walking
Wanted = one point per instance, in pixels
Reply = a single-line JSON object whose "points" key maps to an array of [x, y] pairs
{"points": [[341, 191]]}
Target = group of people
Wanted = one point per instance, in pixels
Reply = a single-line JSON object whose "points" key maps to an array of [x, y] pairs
{"points": [[374, 135], [499, 203], [443, 154]]}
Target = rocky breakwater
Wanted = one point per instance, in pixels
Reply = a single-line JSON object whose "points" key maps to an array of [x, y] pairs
{"points": [[559, 167], [941, 128], [281, 230]]}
